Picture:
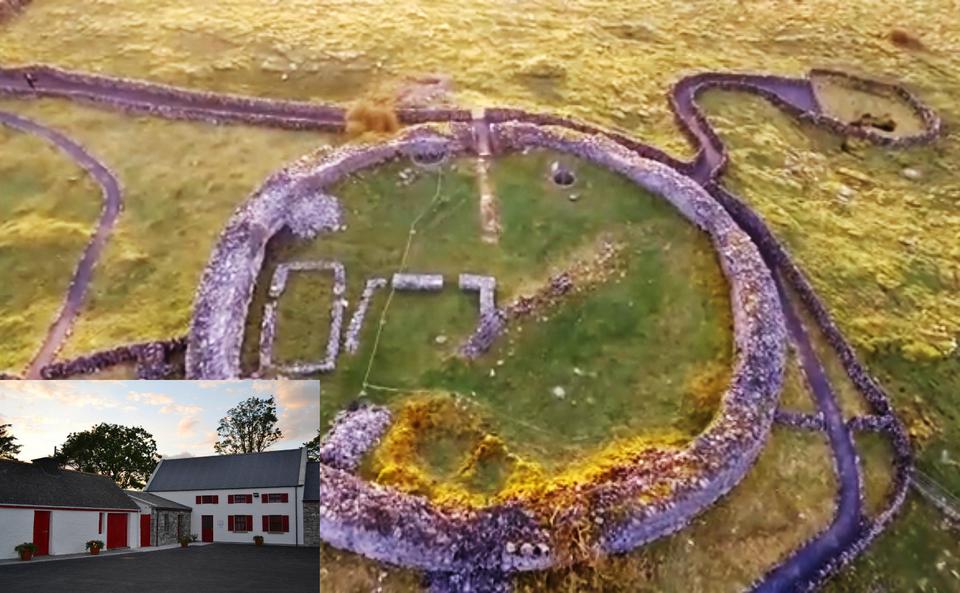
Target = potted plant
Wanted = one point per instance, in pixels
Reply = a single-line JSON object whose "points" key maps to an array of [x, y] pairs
{"points": [[258, 539], [26, 550], [94, 546], [184, 541]]}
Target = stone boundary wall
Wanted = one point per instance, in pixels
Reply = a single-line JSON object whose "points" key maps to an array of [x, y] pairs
{"points": [[147, 355], [170, 101], [403, 529], [496, 115], [779, 259], [763, 86]]}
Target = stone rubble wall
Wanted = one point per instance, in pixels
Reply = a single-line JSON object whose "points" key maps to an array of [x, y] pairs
{"points": [[352, 434], [418, 282], [351, 341], [145, 354], [268, 329]]}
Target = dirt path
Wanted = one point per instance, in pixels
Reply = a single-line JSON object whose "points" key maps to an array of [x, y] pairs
{"points": [[112, 202]]}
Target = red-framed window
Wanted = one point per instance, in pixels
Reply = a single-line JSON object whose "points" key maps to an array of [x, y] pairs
{"points": [[276, 523], [275, 497], [239, 499], [208, 499], [239, 523]]}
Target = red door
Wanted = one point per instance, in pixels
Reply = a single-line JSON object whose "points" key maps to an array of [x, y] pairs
{"points": [[206, 528], [144, 531], [41, 532], [116, 530]]}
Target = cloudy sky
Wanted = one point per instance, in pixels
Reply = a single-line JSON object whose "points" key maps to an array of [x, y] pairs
{"points": [[181, 415]]}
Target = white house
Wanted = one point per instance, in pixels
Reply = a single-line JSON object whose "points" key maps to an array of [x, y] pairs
{"points": [[237, 497], [60, 510]]}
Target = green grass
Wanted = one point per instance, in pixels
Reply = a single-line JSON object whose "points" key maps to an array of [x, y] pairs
{"points": [[876, 465], [48, 209], [796, 396], [303, 318], [918, 553], [181, 182], [645, 353]]}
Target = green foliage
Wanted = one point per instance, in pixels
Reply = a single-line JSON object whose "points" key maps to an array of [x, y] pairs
{"points": [[25, 547], [8, 447], [313, 447], [248, 427], [125, 454], [95, 543]]}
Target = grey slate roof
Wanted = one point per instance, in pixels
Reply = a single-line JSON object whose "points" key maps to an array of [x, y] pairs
{"points": [[156, 502], [311, 483], [28, 484], [271, 469]]}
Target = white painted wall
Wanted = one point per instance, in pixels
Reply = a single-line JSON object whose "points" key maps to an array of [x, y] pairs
{"points": [[293, 508], [16, 527], [69, 530]]}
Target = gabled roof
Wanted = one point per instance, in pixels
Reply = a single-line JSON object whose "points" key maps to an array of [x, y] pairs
{"points": [[29, 484], [311, 483], [271, 469], [156, 502]]}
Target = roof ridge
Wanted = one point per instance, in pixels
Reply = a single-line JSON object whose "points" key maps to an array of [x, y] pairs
{"points": [[221, 456]]}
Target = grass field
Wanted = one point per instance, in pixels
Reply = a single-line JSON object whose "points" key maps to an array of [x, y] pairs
{"points": [[178, 194], [48, 208], [920, 552]]}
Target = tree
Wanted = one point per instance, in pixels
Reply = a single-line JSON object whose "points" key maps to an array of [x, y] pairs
{"points": [[248, 427], [313, 447], [8, 449], [125, 454]]}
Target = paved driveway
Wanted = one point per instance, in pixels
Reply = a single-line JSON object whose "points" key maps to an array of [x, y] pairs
{"points": [[216, 568]]}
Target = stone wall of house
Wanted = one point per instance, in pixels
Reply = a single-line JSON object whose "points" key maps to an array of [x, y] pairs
{"points": [[163, 527], [311, 523]]}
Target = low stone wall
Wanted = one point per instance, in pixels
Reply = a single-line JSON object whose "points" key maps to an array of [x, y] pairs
{"points": [[353, 433], [779, 259], [151, 359], [268, 330], [169, 101], [683, 99]]}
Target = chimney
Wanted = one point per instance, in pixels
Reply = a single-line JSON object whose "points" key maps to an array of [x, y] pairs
{"points": [[47, 464]]}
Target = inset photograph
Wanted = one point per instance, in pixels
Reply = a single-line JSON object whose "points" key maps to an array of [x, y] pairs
{"points": [[162, 481]]}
